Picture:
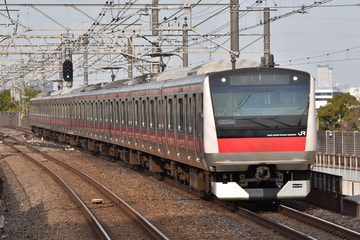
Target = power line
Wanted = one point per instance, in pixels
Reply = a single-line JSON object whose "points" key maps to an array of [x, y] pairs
{"points": [[320, 58]]}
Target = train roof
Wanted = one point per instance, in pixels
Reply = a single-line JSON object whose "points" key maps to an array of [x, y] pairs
{"points": [[184, 75]]}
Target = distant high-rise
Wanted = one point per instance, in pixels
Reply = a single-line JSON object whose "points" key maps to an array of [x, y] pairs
{"points": [[323, 89], [324, 77]]}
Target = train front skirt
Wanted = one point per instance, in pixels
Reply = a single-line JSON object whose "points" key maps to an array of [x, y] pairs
{"points": [[233, 191]]}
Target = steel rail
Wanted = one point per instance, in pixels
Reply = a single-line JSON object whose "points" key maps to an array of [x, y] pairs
{"points": [[320, 223], [89, 215], [278, 227], [141, 220]]}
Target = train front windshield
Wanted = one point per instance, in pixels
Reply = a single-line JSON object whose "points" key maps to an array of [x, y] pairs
{"points": [[260, 103]]}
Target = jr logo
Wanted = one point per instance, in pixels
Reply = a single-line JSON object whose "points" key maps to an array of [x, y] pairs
{"points": [[302, 133]]}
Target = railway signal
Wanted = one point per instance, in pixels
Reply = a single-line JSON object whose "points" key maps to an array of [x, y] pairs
{"points": [[68, 71]]}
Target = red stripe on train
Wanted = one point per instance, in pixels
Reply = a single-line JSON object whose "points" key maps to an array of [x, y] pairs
{"points": [[269, 144]]}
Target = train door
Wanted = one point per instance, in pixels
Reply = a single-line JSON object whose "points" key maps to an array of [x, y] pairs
{"points": [[180, 126], [161, 126], [92, 118], [86, 118], [145, 123], [153, 114], [137, 123], [130, 123], [198, 133], [117, 125], [96, 118], [190, 127], [123, 122], [70, 116], [101, 118], [110, 118], [170, 131]]}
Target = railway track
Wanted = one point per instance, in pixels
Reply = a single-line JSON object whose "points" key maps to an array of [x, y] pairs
{"points": [[276, 227], [109, 216], [297, 225], [326, 226]]}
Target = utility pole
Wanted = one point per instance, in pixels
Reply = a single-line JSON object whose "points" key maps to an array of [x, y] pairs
{"points": [[61, 81], [234, 27], [130, 58], [268, 57], [86, 60], [155, 33], [185, 45]]}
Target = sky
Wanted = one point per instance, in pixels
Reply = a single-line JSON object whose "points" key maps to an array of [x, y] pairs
{"points": [[328, 34], [323, 35]]}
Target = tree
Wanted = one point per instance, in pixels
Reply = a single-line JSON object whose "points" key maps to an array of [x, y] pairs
{"points": [[341, 111], [8, 105]]}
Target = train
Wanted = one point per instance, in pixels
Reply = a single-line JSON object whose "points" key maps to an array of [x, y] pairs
{"points": [[237, 133]]}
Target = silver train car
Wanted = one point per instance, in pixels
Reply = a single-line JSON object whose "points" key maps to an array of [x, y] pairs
{"points": [[242, 134]]}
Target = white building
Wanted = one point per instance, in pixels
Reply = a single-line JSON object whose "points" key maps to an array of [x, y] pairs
{"points": [[323, 87]]}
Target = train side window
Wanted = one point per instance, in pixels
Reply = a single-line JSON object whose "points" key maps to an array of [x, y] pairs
{"points": [[144, 113], [117, 112], [190, 114], [106, 112], [123, 113], [76, 112], [170, 114], [99, 111], [130, 113], [96, 111], [180, 114], [83, 110], [91, 110], [80, 110], [75, 109], [152, 114], [161, 114], [87, 113], [110, 112], [136, 113], [64, 110]]}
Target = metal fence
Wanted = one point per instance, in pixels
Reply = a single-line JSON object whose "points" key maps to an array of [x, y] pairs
{"points": [[333, 142], [14, 119]]}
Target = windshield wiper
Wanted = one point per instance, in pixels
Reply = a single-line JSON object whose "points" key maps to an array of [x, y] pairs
{"points": [[242, 103], [258, 123]]}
